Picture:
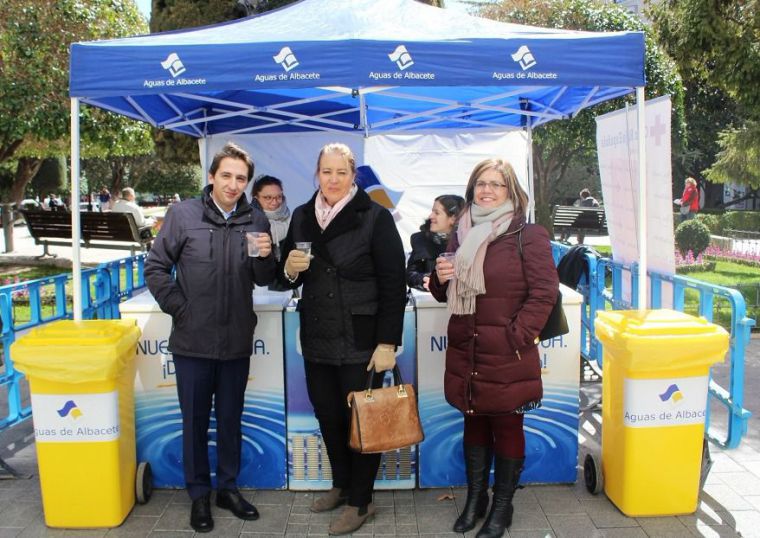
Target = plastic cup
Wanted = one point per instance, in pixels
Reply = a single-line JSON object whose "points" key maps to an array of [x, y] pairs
{"points": [[304, 246], [253, 247], [448, 256]]}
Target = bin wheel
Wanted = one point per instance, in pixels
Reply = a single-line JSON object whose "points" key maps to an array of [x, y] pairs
{"points": [[592, 473], [143, 482]]}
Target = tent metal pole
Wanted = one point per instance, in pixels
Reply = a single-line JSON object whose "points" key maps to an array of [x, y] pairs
{"points": [[531, 193], [203, 146], [75, 217], [641, 124]]}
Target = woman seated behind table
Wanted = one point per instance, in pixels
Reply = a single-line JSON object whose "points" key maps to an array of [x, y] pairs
{"points": [[500, 290], [431, 240]]}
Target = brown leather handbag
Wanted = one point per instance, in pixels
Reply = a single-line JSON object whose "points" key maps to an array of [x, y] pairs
{"points": [[384, 419]]}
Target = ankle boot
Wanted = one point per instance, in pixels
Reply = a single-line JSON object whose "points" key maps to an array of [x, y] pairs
{"points": [[506, 477], [477, 462], [329, 501]]}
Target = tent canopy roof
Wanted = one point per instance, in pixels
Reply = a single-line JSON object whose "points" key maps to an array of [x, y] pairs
{"points": [[366, 66]]}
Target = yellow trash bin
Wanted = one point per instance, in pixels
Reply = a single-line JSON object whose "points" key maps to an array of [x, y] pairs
{"points": [[81, 379], [654, 398]]}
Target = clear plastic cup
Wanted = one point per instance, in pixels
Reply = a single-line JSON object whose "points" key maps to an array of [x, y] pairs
{"points": [[253, 247], [448, 256], [304, 246]]}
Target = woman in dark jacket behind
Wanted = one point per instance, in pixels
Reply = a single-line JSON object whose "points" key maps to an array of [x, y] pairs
{"points": [[500, 291], [431, 240], [352, 315]]}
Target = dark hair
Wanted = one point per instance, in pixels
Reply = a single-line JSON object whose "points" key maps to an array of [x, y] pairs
{"points": [[263, 181], [515, 192], [233, 151], [452, 204], [585, 193]]}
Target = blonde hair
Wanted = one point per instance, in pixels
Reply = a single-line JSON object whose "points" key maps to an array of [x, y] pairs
{"points": [[342, 150], [691, 181], [515, 192]]}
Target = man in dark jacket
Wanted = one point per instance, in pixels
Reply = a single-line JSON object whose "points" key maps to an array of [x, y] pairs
{"points": [[206, 242]]}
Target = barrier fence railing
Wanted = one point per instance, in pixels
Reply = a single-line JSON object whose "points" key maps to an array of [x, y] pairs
{"points": [[608, 284], [104, 287], [25, 305]]}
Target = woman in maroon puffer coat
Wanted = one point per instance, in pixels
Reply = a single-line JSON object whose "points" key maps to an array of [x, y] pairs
{"points": [[499, 299]]}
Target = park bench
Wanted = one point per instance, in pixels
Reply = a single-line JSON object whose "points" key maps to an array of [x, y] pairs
{"points": [[98, 230], [568, 220]]}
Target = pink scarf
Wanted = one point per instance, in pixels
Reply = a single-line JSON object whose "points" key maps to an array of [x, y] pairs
{"points": [[325, 212]]}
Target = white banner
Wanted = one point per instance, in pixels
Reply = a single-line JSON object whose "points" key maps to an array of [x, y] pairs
{"points": [[664, 402], [75, 418], [616, 141], [412, 168]]}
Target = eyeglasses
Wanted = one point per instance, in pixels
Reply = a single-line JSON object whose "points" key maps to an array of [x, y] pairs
{"points": [[270, 198], [490, 184]]}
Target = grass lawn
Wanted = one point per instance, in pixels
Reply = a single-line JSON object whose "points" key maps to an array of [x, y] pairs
{"points": [[743, 278]]}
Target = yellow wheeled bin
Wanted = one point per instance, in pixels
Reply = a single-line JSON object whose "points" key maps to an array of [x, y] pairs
{"points": [[81, 379], [655, 374]]}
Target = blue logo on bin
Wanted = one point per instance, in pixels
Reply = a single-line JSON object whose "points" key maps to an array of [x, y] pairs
{"points": [[69, 409], [672, 393]]}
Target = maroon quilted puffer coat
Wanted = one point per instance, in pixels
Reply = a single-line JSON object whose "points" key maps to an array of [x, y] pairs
{"points": [[492, 360]]}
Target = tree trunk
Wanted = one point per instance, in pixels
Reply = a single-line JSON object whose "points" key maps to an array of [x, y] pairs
{"points": [[118, 169], [26, 169]]}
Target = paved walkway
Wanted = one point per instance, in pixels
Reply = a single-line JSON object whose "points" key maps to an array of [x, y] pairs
{"points": [[729, 504]]}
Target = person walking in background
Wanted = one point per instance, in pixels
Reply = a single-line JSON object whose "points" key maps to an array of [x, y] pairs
{"points": [[127, 204], [431, 240], [213, 322], [689, 201], [500, 290], [352, 314], [104, 197]]}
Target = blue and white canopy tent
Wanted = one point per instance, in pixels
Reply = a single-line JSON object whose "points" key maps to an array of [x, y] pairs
{"points": [[368, 66]]}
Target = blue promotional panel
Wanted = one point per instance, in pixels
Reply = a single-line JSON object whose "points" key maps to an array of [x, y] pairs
{"points": [[551, 432], [308, 464], [157, 415]]}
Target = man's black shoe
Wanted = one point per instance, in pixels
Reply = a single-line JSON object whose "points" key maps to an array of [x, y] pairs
{"points": [[232, 500], [200, 515]]}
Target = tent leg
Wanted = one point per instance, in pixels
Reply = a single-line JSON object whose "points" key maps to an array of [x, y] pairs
{"points": [[75, 218], [641, 124]]}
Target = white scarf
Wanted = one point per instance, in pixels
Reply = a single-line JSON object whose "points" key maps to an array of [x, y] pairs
{"points": [[477, 228]]}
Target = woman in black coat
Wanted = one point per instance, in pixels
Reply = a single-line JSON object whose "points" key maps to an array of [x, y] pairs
{"points": [[431, 240], [352, 315]]}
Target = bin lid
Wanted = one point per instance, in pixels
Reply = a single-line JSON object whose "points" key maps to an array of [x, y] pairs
{"points": [[76, 351], [660, 339]]}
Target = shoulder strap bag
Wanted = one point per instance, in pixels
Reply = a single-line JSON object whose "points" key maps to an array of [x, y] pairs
{"points": [[556, 324]]}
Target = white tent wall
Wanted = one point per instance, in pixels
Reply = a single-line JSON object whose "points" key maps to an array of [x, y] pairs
{"points": [[413, 168]]}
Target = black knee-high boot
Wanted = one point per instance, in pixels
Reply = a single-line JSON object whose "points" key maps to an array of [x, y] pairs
{"points": [[477, 461], [506, 477]]}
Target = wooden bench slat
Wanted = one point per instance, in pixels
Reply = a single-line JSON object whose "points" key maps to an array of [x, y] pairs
{"points": [[95, 226], [584, 220]]}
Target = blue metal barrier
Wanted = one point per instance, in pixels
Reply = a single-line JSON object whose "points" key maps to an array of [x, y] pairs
{"points": [[102, 290], [597, 296]]}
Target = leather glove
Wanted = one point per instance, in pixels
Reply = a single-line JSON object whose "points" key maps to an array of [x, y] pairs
{"points": [[384, 358], [297, 262]]}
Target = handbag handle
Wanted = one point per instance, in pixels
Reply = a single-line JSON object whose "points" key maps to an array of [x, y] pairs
{"points": [[396, 380]]}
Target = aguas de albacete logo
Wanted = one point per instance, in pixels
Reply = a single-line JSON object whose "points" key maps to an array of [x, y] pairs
{"points": [[288, 60], [527, 61], [174, 67], [403, 60]]}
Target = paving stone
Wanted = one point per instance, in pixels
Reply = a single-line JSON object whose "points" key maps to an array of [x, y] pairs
{"points": [[559, 502], [383, 498], [604, 514], [630, 532], [226, 526], [663, 526], [19, 514], [298, 519], [431, 496], [722, 531], [746, 522], [273, 520], [724, 496], [268, 496], [84, 533], [436, 519], [723, 463], [529, 517], [294, 529], [37, 527], [743, 483], [572, 525], [8, 532], [754, 500], [530, 534], [159, 501], [135, 526], [176, 517]]}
